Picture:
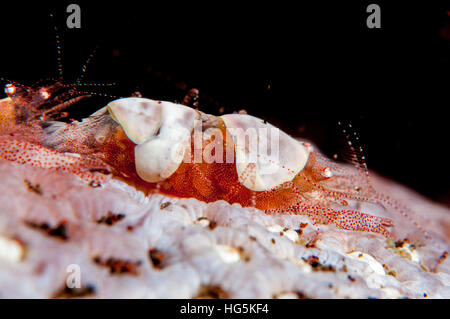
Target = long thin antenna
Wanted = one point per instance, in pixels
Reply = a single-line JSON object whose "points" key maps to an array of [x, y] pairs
{"points": [[354, 152], [58, 48], [93, 84], [100, 94], [85, 65]]}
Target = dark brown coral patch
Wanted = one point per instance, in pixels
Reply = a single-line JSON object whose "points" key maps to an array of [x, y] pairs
{"points": [[110, 218], [212, 292], [119, 266], [60, 231], [156, 258], [66, 292]]}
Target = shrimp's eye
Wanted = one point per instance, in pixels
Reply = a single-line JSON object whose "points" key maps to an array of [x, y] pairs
{"points": [[327, 172], [10, 89], [44, 94]]}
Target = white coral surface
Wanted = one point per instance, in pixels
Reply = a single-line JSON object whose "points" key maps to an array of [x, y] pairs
{"points": [[180, 246]]}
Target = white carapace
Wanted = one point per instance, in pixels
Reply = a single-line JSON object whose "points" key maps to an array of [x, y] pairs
{"points": [[162, 132]]}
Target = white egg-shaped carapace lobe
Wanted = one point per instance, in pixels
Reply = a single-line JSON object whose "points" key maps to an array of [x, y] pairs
{"points": [[266, 157], [140, 118], [161, 130]]}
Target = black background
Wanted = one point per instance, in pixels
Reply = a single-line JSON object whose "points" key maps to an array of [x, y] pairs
{"points": [[321, 62]]}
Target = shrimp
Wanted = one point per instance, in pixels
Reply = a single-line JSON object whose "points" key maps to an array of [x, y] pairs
{"points": [[179, 151]]}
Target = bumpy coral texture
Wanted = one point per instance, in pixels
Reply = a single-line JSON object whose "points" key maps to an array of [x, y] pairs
{"points": [[128, 245]]}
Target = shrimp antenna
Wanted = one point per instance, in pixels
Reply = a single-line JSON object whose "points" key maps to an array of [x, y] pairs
{"points": [[85, 65], [91, 84], [100, 94], [58, 49], [354, 153]]}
